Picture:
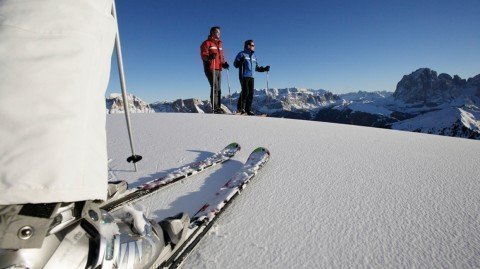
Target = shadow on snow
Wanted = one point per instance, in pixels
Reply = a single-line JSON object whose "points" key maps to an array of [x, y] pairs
{"points": [[192, 201]]}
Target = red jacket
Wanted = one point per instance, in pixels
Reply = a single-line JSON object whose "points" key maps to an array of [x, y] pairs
{"points": [[211, 46]]}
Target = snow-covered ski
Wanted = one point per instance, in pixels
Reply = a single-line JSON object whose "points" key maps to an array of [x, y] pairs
{"points": [[204, 219], [181, 173]]}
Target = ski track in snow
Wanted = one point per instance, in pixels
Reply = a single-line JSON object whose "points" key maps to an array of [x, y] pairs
{"points": [[331, 195]]}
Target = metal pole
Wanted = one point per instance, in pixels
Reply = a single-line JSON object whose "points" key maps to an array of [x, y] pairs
{"points": [[134, 158], [229, 94], [267, 80], [241, 86], [214, 83]]}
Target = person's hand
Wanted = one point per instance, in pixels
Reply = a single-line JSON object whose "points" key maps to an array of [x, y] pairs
{"points": [[212, 56], [225, 65], [267, 68]]}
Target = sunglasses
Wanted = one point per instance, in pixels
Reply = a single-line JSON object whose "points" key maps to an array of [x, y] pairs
{"points": [[252, 45]]}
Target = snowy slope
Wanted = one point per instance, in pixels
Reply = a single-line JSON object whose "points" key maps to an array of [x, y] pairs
{"points": [[332, 195], [440, 121]]}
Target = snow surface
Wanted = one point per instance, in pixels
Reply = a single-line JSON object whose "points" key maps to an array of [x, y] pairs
{"points": [[331, 195]]}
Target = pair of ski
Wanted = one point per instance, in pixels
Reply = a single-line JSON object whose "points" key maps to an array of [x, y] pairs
{"points": [[205, 217]]}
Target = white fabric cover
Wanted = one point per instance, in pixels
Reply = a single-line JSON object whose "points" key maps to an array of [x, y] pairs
{"points": [[54, 68]]}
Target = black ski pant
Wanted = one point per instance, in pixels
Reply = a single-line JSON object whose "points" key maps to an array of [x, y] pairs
{"points": [[215, 79], [246, 96]]}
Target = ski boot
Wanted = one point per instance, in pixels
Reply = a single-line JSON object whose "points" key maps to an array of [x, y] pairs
{"points": [[96, 240], [219, 111]]}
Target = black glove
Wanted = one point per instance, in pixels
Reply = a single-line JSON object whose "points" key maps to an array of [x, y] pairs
{"points": [[212, 56], [267, 68], [225, 65]]}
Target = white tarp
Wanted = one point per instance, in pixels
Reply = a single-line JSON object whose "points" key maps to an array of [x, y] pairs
{"points": [[54, 69]]}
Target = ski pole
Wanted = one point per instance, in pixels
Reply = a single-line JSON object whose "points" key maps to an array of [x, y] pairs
{"points": [[134, 158], [240, 100], [229, 94], [267, 80], [213, 87]]}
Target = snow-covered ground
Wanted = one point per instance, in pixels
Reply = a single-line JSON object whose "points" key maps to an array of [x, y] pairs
{"points": [[437, 120], [331, 196]]}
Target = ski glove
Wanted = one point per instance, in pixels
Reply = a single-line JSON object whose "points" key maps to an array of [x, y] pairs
{"points": [[212, 56], [263, 69], [225, 65]]}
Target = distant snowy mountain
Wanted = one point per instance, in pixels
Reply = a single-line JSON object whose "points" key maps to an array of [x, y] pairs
{"points": [[274, 102], [185, 106], [292, 103], [450, 121], [114, 104], [424, 87], [422, 102]]}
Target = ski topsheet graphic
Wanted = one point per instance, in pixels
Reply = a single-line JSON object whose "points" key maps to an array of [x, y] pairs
{"points": [[183, 172], [204, 219]]}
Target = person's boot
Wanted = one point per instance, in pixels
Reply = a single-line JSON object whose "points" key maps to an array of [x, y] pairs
{"points": [[220, 111], [96, 240], [250, 113], [126, 241]]}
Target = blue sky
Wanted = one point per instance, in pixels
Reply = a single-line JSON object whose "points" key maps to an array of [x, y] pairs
{"points": [[340, 46]]}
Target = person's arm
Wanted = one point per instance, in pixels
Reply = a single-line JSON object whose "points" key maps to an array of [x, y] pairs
{"points": [[204, 52], [261, 68], [222, 55], [223, 61], [238, 60]]}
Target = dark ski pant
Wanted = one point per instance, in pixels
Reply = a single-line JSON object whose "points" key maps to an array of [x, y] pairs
{"points": [[246, 96], [215, 79]]}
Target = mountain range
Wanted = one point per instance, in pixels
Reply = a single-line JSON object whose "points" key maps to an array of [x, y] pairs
{"points": [[422, 102]]}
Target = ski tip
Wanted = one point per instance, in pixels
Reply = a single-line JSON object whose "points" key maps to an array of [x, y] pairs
{"points": [[262, 149], [234, 145]]}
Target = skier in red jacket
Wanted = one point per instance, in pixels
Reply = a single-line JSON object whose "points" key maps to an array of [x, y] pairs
{"points": [[211, 52]]}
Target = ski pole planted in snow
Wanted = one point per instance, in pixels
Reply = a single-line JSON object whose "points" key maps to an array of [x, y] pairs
{"points": [[267, 80], [214, 86], [134, 158], [228, 82]]}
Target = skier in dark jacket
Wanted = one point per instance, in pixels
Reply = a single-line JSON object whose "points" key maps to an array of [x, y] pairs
{"points": [[211, 52], [247, 64]]}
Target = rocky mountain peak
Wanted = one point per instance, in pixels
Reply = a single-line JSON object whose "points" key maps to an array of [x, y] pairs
{"points": [[475, 84], [114, 104], [424, 87]]}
